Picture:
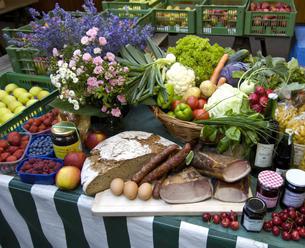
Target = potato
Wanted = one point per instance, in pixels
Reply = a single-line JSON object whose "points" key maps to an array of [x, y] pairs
{"points": [[193, 91]]}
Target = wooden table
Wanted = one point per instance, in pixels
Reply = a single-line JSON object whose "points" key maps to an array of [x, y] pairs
{"points": [[11, 5]]}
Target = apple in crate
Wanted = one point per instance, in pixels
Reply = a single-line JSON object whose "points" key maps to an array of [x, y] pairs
{"points": [[94, 138], [67, 178]]}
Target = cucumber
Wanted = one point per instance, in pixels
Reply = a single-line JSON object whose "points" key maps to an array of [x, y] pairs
{"points": [[239, 56]]}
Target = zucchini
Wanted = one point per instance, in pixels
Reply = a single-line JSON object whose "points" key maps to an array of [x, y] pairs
{"points": [[239, 56]]}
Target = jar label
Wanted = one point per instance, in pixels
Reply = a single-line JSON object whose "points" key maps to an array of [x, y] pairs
{"points": [[270, 201], [292, 199], [263, 157], [62, 151], [299, 151], [253, 224]]}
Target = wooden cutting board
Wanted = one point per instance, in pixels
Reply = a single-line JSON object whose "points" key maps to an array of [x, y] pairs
{"points": [[107, 204]]}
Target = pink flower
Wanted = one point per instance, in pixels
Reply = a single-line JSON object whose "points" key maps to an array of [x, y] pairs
{"points": [[85, 40], [121, 80], [107, 90], [92, 82], [121, 98], [113, 82], [111, 68], [104, 108], [108, 75], [87, 57], [98, 70], [110, 56], [79, 71], [72, 63], [55, 52], [97, 60], [92, 32], [102, 41], [125, 69], [100, 82], [116, 112]]}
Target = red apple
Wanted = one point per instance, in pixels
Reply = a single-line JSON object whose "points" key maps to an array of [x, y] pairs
{"points": [[175, 103], [76, 159], [67, 178], [201, 103], [192, 101], [94, 138], [200, 114]]}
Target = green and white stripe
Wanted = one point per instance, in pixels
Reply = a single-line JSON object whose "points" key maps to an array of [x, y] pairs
{"points": [[43, 216]]}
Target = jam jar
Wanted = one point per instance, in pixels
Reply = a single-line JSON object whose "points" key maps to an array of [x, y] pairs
{"points": [[269, 185], [65, 139], [253, 215], [294, 193]]}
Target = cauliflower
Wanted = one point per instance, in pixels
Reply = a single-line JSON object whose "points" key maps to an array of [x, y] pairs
{"points": [[181, 77]]}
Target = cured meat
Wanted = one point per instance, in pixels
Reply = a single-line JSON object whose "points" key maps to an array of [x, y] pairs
{"points": [[187, 186], [232, 192], [222, 167]]}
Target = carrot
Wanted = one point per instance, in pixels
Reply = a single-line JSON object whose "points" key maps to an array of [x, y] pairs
{"points": [[218, 68], [221, 81]]}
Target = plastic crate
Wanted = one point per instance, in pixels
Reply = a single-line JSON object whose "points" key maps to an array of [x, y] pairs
{"points": [[131, 5], [146, 19], [48, 155], [12, 32], [128, 13], [270, 23], [221, 17], [36, 109], [176, 16]]}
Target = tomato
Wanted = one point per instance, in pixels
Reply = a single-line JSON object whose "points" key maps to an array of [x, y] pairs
{"points": [[192, 101], [201, 103], [201, 114], [175, 103]]}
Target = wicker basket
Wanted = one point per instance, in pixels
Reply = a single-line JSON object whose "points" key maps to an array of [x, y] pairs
{"points": [[183, 130]]}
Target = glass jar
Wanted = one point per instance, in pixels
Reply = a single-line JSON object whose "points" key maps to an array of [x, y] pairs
{"points": [[294, 193], [253, 215], [65, 139], [269, 184]]}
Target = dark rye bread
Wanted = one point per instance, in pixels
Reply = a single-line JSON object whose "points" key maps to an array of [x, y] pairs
{"points": [[120, 156]]}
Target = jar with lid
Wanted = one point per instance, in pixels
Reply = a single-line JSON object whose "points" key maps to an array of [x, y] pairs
{"points": [[268, 189], [294, 192], [253, 215], [65, 139]]}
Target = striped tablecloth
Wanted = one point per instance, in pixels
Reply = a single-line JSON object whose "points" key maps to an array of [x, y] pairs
{"points": [[43, 216]]}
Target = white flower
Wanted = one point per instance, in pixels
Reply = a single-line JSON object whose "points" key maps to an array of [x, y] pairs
{"points": [[55, 52], [57, 85], [73, 68], [77, 52], [85, 40], [61, 97], [75, 80], [71, 93], [76, 107], [60, 63], [97, 50]]}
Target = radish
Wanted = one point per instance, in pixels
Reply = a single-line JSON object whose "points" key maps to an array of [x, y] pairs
{"points": [[253, 98], [269, 91], [257, 108], [260, 90], [263, 101]]}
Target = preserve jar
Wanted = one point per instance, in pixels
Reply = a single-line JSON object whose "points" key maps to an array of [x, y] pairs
{"points": [[294, 193], [65, 139], [253, 215], [269, 185]]}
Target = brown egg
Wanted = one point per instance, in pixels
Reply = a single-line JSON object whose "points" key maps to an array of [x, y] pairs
{"points": [[117, 186], [145, 191], [130, 190]]}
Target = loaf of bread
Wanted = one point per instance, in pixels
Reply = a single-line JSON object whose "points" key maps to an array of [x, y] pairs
{"points": [[121, 156]]}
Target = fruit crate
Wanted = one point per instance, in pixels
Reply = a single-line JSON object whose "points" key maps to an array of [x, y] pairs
{"points": [[176, 16], [126, 13], [129, 4], [221, 17], [271, 23], [38, 108]]}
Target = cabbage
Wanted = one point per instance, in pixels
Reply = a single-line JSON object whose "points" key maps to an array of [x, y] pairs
{"points": [[225, 98]]}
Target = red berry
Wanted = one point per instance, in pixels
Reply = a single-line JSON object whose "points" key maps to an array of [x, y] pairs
{"points": [[234, 225], [206, 217], [285, 211], [286, 226], [223, 215], [302, 232], [276, 221], [233, 216], [276, 231], [283, 216], [225, 222], [302, 210], [286, 235], [295, 235], [299, 221], [216, 219], [274, 214], [292, 214], [267, 226]]}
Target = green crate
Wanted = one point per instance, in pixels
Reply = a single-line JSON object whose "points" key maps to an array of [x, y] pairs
{"points": [[173, 17], [131, 5], [12, 32], [221, 17], [146, 19], [128, 13], [259, 23], [38, 108], [27, 60]]}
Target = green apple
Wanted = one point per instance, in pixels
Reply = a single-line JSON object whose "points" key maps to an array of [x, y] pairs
{"points": [[4, 111], [7, 99], [10, 87], [2, 105], [5, 117], [35, 90], [13, 105], [2, 94], [25, 97], [19, 109], [42, 94], [18, 91], [31, 101]]}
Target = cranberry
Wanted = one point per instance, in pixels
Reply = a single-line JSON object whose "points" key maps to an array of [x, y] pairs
{"points": [[274, 214], [284, 216], [302, 232], [286, 226], [225, 222], [206, 217], [292, 214], [234, 225], [302, 210], [299, 221], [286, 235], [295, 235], [223, 215], [233, 216], [276, 231], [216, 219], [276, 221], [267, 226]]}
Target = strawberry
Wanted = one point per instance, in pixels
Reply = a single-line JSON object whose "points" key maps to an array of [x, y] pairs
{"points": [[4, 144], [11, 159], [14, 138]]}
